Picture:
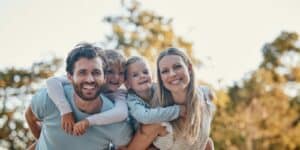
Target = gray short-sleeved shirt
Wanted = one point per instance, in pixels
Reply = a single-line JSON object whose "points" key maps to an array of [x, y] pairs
{"points": [[96, 138]]}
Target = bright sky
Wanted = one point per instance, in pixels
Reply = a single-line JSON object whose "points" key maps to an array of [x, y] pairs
{"points": [[227, 35]]}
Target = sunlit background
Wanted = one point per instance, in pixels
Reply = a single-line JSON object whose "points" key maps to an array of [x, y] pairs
{"points": [[248, 51]]}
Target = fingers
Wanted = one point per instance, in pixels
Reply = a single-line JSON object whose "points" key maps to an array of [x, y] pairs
{"points": [[69, 127], [163, 131], [76, 130], [79, 129], [67, 122]]}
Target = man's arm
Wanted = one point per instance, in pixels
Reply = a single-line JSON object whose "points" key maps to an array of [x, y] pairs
{"points": [[33, 123]]}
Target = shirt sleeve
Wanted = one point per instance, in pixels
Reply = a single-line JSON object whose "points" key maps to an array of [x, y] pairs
{"points": [[208, 96], [41, 105], [56, 93], [116, 114], [146, 115]]}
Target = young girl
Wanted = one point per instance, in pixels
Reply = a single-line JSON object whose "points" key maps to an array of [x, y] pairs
{"points": [[114, 74], [141, 94]]}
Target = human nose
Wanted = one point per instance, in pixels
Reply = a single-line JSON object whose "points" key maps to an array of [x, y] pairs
{"points": [[116, 76], [90, 78], [172, 72]]}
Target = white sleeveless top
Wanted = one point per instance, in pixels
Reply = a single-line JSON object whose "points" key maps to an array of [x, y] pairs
{"points": [[169, 143]]}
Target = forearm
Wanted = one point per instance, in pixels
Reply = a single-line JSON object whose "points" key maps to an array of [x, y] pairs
{"points": [[116, 114], [56, 93], [33, 123], [145, 136], [155, 115]]}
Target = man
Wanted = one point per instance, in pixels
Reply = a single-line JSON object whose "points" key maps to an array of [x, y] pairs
{"points": [[85, 71]]}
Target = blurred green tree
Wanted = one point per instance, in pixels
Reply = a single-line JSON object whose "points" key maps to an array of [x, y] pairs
{"points": [[16, 88], [142, 32], [264, 108]]}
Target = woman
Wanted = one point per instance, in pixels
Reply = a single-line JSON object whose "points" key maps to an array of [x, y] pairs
{"points": [[176, 81]]}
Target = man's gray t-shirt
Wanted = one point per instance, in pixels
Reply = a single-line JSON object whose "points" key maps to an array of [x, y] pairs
{"points": [[54, 137]]}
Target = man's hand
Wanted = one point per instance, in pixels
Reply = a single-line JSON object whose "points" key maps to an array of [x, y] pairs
{"points": [[33, 123], [81, 127], [67, 122]]}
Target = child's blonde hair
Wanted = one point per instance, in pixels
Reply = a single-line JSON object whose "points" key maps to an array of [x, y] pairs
{"points": [[114, 58], [130, 61]]}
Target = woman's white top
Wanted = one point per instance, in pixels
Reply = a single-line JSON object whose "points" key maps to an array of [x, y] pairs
{"points": [[168, 142]]}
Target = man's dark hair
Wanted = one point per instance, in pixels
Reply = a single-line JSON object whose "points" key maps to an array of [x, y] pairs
{"points": [[83, 50]]}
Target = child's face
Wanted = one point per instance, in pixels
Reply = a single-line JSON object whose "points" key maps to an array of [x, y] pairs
{"points": [[139, 77], [114, 77]]}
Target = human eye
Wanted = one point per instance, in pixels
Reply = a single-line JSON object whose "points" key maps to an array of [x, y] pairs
{"points": [[97, 73], [177, 66], [81, 72], [146, 72], [134, 74], [164, 71], [109, 71]]}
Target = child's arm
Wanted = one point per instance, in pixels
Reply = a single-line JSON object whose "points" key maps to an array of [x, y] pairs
{"points": [[116, 114], [146, 115], [56, 93]]}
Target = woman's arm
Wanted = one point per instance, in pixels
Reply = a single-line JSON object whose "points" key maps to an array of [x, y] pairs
{"points": [[144, 137]]}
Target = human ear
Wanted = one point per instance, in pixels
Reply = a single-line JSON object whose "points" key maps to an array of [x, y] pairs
{"points": [[70, 77]]}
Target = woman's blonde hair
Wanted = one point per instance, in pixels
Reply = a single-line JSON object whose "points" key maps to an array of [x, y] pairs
{"points": [[190, 128]]}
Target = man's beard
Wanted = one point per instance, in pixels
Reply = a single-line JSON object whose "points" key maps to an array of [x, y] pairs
{"points": [[79, 91]]}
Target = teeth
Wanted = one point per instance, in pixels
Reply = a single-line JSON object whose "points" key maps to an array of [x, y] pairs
{"points": [[115, 83], [89, 87], [175, 81], [144, 82]]}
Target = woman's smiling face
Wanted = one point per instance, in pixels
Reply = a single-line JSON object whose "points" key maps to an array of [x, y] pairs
{"points": [[174, 73]]}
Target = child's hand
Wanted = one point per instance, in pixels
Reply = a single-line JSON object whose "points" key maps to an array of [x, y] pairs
{"points": [[81, 127], [67, 122]]}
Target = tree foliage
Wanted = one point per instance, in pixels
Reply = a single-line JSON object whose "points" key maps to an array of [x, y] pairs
{"points": [[263, 112], [16, 88], [142, 32]]}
